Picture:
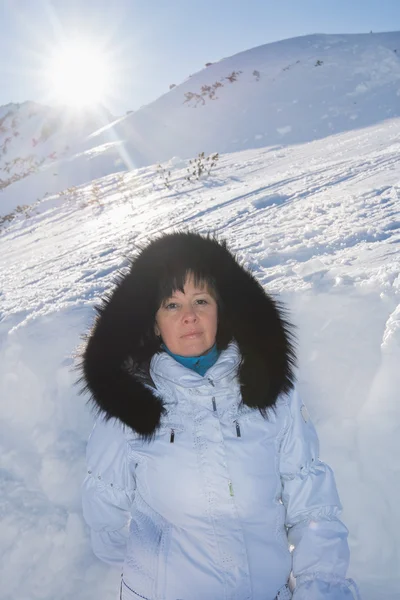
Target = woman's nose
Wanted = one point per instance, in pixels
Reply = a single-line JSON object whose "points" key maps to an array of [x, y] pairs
{"points": [[189, 315]]}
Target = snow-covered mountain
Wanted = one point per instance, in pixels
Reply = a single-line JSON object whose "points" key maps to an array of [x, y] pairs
{"points": [[287, 92], [317, 222]]}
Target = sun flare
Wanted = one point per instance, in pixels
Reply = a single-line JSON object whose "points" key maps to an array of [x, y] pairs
{"points": [[78, 74]]}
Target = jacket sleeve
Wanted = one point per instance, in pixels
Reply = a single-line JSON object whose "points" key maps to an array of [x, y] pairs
{"points": [[319, 539], [108, 491]]}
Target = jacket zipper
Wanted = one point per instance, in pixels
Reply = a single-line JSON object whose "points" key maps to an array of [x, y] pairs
{"points": [[238, 432]]}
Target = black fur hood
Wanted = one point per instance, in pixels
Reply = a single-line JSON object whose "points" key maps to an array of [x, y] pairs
{"points": [[116, 357]]}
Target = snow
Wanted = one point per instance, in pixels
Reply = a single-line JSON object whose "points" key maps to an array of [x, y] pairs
{"points": [[318, 222], [274, 88], [35, 138], [273, 94]]}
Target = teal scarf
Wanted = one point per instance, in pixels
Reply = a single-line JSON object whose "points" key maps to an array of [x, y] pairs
{"points": [[199, 364]]}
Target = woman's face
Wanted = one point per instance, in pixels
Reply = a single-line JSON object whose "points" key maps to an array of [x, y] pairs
{"points": [[187, 322]]}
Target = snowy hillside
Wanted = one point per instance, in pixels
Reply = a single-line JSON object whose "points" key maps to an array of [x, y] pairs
{"points": [[288, 92], [33, 136], [319, 224]]}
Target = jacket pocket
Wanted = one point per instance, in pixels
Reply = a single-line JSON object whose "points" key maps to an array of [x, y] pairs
{"points": [[171, 426], [171, 429]]}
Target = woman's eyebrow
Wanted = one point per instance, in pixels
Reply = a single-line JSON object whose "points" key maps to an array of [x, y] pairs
{"points": [[194, 294]]}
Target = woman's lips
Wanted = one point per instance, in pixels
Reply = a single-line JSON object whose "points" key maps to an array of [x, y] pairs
{"points": [[192, 334]]}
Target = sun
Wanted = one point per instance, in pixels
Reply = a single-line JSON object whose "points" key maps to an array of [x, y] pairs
{"points": [[78, 74]]}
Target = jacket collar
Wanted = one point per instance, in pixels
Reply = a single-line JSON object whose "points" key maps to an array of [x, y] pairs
{"points": [[168, 374]]}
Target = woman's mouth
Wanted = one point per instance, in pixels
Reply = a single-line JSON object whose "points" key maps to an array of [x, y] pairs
{"points": [[192, 335]]}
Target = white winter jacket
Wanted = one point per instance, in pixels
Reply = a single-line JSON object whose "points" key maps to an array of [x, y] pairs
{"points": [[212, 507]]}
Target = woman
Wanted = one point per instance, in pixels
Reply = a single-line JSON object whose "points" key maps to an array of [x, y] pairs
{"points": [[203, 467]]}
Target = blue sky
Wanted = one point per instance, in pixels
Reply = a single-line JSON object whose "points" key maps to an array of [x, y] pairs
{"points": [[153, 43]]}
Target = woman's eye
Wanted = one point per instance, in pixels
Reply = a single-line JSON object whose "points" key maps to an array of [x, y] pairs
{"points": [[201, 301], [171, 305]]}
